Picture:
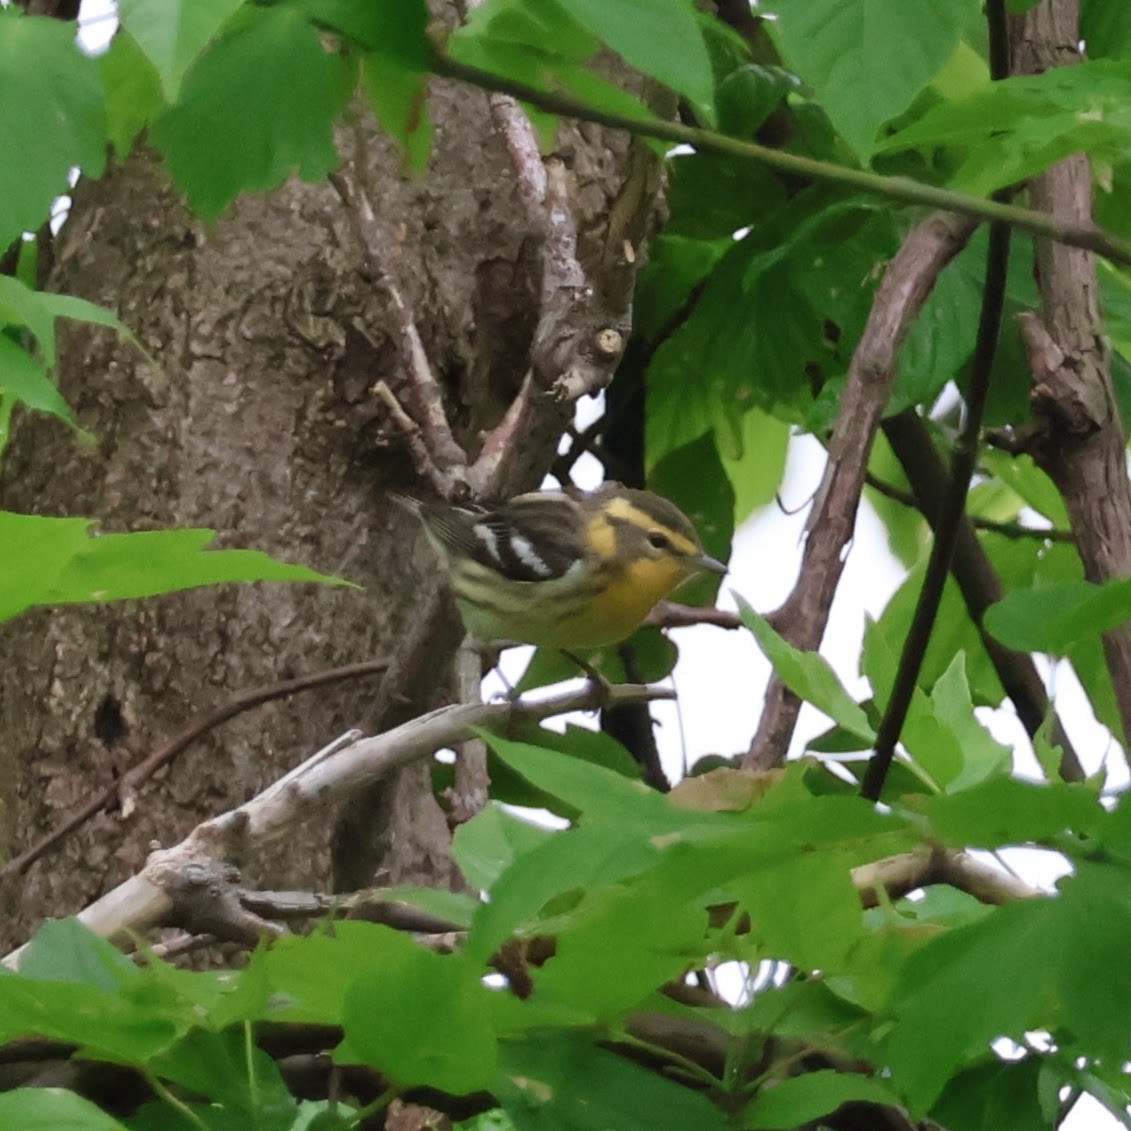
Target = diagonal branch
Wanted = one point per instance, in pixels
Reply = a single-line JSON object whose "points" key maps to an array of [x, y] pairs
{"points": [[330, 777], [978, 581], [801, 620], [446, 460], [1081, 234]]}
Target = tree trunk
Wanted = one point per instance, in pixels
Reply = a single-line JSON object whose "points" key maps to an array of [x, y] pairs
{"points": [[256, 418]]}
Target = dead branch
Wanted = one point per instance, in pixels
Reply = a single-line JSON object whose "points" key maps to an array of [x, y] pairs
{"points": [[446, 459], [801, 620], [671, 614], [330, 777]]}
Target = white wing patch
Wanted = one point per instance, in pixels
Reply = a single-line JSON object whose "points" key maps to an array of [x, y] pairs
{"points": [[524, 550], [488, 537]]}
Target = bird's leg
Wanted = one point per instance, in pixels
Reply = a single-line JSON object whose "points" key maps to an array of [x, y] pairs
{"points": [[596, 680]]}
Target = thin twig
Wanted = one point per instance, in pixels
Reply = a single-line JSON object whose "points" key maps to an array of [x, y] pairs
{"points": [[1012, 530], [412, 433], [447, 460], [901, 189], [964, 459], [671, 614], [164, 754], [978, 582]]}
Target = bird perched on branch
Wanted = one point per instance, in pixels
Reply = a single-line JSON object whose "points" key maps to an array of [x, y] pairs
{"points": [[567, 569]]}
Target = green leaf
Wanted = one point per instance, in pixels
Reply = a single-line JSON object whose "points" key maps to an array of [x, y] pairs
{"points": [[132, 89], [622, 943], [456, 907], [580, 742], [53, 1109], [1020, 126], [712, 195], [982, 755], [39, 311], [1004, 811], [676, 265], [803, 909], [63, 950], [748, 96], [51, 117], [56, 561], [597, 792], [757, 473], [946, 1010], [868, 59], [1105, 25], [232, 1071], [258, 106], [933, 746], [953, 632], [649, 654], [485, 846], [941, 339], [802, 1099], [173, 33], [710, 369], [808, 675], [395, 65], [1031, 483], [992, 1094], [802, 267], [310, 976], [391, 1015], [24, 380], [659, 37], [559, 1081], [541, 44], [399, 98], [112, 1026], [1052, 618]]}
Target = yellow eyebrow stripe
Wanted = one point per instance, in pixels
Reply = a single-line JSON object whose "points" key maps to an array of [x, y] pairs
{"points": [[621, 510]]}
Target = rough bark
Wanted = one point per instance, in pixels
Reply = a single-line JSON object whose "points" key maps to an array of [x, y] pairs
{"points": [[1078, 437], [258, 421]]}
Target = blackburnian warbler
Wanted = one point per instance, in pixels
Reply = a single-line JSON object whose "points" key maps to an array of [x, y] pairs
{"points": [[563, 568]]}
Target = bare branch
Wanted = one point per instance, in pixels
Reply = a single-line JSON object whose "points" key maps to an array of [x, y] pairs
{"points": [[447, 461], [801, 620], [899, 875], [146, 899], [671, 614], [522, 143]]}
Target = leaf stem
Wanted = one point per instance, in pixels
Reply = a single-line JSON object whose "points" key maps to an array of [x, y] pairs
{"points": [[163, 1093]]}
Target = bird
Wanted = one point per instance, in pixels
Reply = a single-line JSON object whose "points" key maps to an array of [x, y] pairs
{"points": [[566, 569]]}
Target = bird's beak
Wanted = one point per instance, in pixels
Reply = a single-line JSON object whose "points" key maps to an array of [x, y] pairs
{"points": [[709, 565]]}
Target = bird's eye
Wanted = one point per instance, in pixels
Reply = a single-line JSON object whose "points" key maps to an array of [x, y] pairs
{"points": [[658, 540]]}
